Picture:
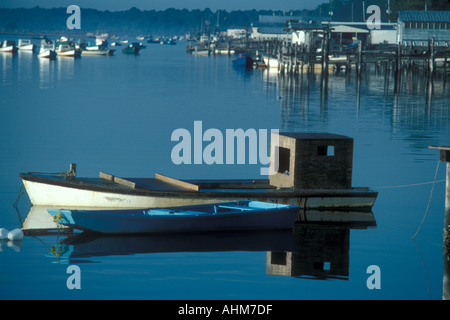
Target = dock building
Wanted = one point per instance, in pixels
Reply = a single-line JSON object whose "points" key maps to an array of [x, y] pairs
{"points": [[419, 27]]}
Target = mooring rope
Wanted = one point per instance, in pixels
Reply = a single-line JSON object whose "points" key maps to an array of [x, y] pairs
{"points": [[68, 174], [410, 185], [429, 200]]}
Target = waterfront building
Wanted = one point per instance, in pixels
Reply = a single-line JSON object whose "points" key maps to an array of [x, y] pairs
{"points": [[271, 28], [237, 33], [419, 27]]}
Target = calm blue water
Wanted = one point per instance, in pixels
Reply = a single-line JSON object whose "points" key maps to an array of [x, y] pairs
{"points": [[116, 114]]}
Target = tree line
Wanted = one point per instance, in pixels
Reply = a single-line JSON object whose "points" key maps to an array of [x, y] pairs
{"points": [[173, 20]]}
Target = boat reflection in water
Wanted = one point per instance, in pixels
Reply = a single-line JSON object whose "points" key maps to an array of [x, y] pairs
{"points": [[322, 245], [317, 247]]}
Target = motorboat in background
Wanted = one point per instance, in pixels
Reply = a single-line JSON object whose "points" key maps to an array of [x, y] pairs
{"points": [[8, 46], [26, 45], [47, 49], [66, 48]]}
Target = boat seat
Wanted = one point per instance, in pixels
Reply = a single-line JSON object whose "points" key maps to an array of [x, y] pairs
{"points": [[168, 212], [232, 208]]}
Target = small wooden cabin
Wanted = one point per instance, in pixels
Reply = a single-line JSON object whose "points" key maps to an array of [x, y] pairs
{"points": [[311, 161]]}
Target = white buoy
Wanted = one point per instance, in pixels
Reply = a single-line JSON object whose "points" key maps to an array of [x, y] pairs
{"points": [[3, 233], [15, 234]]}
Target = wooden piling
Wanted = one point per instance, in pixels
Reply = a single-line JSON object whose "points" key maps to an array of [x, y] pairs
{"points": [[431, 61], [325, 51], [445, 157], [358, 68]]}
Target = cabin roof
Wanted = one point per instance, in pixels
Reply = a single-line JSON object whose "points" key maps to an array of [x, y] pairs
{"points": [[314, 136], [445, 148], [303, 25], [284, 19], [348, 29], [424, 16]]}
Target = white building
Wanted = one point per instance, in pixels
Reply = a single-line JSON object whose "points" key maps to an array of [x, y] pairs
{"points": [[383, 36], [265, 33], [422, 26], [237, 33]]}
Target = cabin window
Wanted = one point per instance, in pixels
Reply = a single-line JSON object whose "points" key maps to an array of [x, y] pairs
{"points": [[278, 258], [325, 151], [319, 265], [284, 159]]}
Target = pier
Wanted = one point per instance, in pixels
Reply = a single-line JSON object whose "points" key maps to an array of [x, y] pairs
{"points": [[419, 40], [293, 59]]}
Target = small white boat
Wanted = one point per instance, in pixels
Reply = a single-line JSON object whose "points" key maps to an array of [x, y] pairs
{"points": [[26, 45], [230, 216], [66, 51], [224, 51], [97, 51], [201, 52], [100, 48], [8, 46], [271, 62], [47, 50], [66, 48], [337, 58]]}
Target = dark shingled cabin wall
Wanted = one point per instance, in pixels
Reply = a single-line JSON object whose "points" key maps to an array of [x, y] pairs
{"points": [[312, 161]]}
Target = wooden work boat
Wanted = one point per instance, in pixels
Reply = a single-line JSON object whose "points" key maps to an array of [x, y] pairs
{"points": [[314, 172], [109, 191], [229, 216]]}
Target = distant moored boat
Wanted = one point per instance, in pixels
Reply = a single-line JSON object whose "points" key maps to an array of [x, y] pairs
{"points": [[25, 45], [132, 48], [243, 61], [47, 50], [66, 48], [8, 46]]}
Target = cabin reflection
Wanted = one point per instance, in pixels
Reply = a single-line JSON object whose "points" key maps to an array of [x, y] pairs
{"points": [[322, 252], [322, 245]]}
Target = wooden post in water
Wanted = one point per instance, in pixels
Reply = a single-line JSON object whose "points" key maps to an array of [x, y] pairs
{"points": [[358, 68], [296, 61], [399, 58], [431, 61], [325, 50], [445, 157]]}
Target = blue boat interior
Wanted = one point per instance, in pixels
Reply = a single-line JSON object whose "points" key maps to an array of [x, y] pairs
{"points": [[218, 208]]}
